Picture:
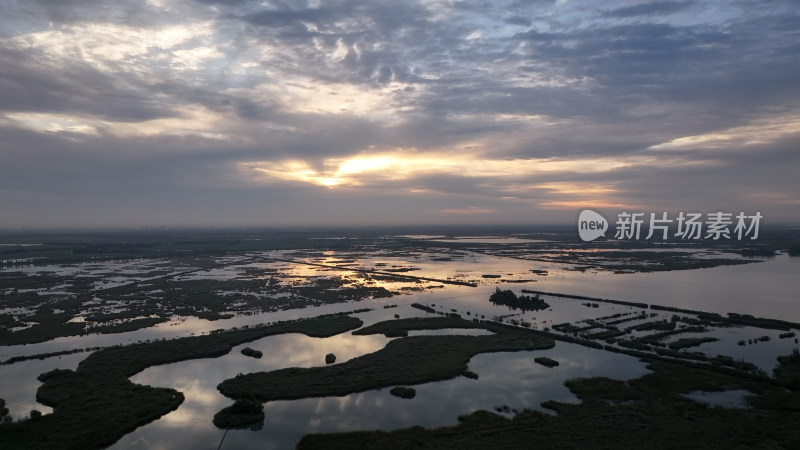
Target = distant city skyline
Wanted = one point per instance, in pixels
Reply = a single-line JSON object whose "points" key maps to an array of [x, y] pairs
{"points": [[339, 113]]}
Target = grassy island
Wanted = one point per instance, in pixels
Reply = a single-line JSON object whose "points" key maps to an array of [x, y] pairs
{"points": [[97, 404], [523, 302], [243, 414], [404, 392], [410, 360], [401, 327]]}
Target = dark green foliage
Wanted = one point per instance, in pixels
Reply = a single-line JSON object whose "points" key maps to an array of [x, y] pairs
{"points": [[128, 325], [692, 321], [567, 327], [243, 414], [545, 361], [655, 337], [788, 370], [51, 326], [107, 317], [52, 374], [760, 322], [247, 351], [635, 344], [690, 342], [15, 359], [612, 332], [424, 308], [657, 325], [628, 319], [8, 321], [470, 374], [41, 332], [523, 302], [404, 392], [330, 358]]}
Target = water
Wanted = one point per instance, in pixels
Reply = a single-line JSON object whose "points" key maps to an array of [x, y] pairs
{"points": [[766, 289], [19, 383], [510, 379]]}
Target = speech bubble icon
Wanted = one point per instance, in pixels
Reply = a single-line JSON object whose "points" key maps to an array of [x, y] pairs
{"points": [[591, 225]]}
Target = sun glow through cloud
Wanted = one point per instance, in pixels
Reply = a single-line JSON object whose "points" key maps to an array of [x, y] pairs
{"points": [[761, 131], [192, 120], [364, 170]]}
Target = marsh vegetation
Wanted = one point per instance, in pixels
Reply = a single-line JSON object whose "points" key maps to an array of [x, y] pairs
{"points": [[81, 288], [96, 404], [649, 412], [404, 361]]}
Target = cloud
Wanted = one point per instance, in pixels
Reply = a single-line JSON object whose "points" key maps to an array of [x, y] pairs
{"points": [[649, 9], [469, 211], [528, 109]]}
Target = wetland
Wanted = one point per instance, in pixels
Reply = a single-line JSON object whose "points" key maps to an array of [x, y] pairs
{"points": [[441, 340]]}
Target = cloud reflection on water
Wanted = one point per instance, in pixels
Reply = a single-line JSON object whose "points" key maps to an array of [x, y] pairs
{"points": [[511, 379]]}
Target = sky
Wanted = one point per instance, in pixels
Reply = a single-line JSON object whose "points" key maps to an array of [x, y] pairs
{"points": [[271, 113]]}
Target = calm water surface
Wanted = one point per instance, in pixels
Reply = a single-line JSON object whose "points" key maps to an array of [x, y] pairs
{"points": [[511, 379], [767, 289]]}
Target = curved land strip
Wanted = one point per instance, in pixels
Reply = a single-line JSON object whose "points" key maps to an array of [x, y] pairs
{"points": [[405, 361], [648, 412], [401, 327], [59, 327], [97, 404]]}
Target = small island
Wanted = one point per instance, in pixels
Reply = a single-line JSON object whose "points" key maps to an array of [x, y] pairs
{"points": [[545, 361], [404, 392], [247, 351], [523, 302], [242, 414]]}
